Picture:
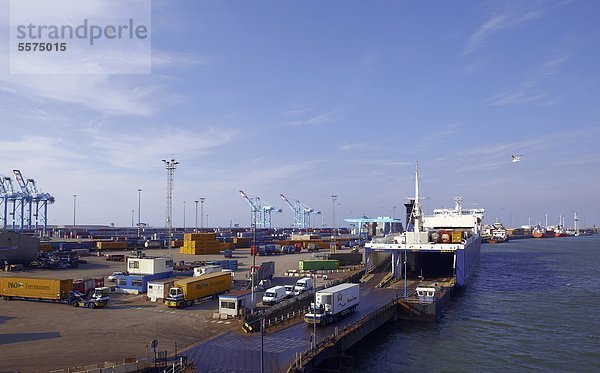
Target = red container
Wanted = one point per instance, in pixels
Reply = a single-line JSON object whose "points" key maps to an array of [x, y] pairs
{"points": [[446, 237], [98, 282]]}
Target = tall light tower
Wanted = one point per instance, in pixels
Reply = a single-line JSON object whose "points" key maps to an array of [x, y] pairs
{"points": [[202, 213], [74, 211], [139, 211], [333, 199], [184, 216], [196, 220], [170, 166]]}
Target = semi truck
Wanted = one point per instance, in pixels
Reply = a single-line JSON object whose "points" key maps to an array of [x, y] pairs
{"points": [[186, 292], [51, 290], [333, 303]]}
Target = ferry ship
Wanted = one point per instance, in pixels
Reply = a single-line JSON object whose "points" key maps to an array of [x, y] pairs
{"points": [[444, 246]]}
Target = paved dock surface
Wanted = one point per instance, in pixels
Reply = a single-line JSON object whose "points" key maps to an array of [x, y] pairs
{"points": [[239, 352]]}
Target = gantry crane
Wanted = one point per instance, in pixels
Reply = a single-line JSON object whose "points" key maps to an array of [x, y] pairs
{"points": [[22, 210], [260, 212], [301, 211]]}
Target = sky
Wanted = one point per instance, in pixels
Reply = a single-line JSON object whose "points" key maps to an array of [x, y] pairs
{"points": [[313, 98]]}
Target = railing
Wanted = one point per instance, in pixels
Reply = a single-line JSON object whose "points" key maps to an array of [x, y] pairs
{"points": [[177, 367], [332, 339]]}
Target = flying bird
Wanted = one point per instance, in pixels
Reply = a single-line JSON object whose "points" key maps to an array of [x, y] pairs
{"points": [[516, 158]]}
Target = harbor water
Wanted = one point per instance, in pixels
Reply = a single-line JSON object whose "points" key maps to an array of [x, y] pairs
{"points": [[531, 305]]}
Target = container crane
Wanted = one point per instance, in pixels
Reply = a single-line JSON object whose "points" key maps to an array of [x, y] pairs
{"points": [[21, 201], [265, 211], [41, 201], [25, 201], [260, 212], [301, 211], [5, 195], [254, 210]]}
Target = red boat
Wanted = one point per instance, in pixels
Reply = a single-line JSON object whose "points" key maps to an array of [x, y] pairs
{"points": [[542, 232]]}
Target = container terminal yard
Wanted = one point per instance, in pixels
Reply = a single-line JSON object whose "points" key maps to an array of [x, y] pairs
{"points": [[98, 298]]}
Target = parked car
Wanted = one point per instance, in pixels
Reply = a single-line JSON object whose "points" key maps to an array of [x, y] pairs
{"points": [[113, 276]]}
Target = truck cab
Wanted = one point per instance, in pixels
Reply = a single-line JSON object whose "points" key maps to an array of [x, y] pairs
{"points": [[98, 298], [302, 285], [176, 298]]}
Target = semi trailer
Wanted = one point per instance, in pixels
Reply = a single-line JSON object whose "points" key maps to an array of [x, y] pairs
{"points": [[333, 303], [186, 292]]}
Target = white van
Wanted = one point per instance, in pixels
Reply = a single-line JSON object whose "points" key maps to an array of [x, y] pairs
{"points": [[289, 291], [274, 295], [302, 285]]}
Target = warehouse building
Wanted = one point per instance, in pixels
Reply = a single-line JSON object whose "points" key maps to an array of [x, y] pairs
{"points": [[17, 248]]}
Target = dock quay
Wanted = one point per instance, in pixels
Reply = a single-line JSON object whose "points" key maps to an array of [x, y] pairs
{"points": [[287, 346]]}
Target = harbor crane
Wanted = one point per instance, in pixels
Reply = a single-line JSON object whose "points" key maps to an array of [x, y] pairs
{"points": [[301, 211], [260, 212], [22, 209]]}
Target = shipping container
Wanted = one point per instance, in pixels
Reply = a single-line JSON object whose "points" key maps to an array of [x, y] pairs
{"points": [[35, 288], [111, 245], [345, 259], [457, 236], [316, 265], [333, 303], [186, 291]]}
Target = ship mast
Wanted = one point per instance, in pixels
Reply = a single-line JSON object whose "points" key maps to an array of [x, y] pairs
{"points": [[417, 206]]}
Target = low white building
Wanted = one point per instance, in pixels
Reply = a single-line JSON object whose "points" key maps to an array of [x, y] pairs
{"points": [[149, 266]]}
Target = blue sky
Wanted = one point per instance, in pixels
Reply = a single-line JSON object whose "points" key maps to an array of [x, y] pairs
{"points": [[312, 98]]}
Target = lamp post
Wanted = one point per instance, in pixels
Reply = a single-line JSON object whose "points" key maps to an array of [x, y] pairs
{"points": [[139, 211], [183, 216], [339, 214], [202, 213], [196, 221], [333, 199], [74, 211], [262, 345], [253, 270], [315, 313]]}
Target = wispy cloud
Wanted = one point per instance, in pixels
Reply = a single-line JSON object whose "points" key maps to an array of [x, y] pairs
{"points": [[496, 23], [351, 147], [301, 116], [529, 92], [142, 146]]}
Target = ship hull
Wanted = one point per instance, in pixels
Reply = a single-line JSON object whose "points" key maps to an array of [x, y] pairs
{"points": [[467, 258]]}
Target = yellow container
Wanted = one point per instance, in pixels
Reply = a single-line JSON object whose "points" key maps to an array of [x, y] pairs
{"points": [[35, 288], [111, 245], [203, 286], [456, 236]]}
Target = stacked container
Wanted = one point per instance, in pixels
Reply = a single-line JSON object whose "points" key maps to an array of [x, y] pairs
{"points": [[111, 245], [202, 243]]}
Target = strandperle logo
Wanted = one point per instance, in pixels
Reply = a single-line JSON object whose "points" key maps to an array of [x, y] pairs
{"points": [[84, 31], [80, 37]]}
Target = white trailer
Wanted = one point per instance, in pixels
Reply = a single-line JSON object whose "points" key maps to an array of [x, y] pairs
{"points": [[159, 290], [205, 270], [333, 303]]}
